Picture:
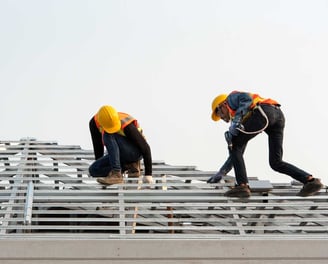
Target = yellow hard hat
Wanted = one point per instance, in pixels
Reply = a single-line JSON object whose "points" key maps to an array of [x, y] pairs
{"points": [[217, 100], [108, 119]]}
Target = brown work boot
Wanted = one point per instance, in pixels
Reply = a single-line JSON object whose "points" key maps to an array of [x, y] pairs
{"points": [[133, 169], [310, 188], [241, 191], [114, 177]]}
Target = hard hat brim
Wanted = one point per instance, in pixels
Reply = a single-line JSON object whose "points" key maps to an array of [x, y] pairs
{"points": [[217, 101], [215, 117], [113, 129]]}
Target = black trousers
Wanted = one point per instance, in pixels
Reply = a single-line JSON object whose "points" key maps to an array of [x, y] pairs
{"points": [[275, 131]]}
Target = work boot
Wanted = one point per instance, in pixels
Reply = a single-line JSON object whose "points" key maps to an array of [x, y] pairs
{"points": [[114, 177], [133, 169], [310, 188], [241, 191]]}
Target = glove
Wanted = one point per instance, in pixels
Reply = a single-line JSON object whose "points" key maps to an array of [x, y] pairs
{"points": [[216, 178], [233, 129], [148, 179]]}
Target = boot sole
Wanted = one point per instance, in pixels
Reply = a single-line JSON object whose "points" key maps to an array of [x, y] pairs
{"points": [[109, 183], [309, 193], [241, 196], [312, 192], [134, 174]]}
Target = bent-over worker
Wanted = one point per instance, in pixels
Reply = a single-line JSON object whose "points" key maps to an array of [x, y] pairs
{"points": [[125, 143], [250, 114]]}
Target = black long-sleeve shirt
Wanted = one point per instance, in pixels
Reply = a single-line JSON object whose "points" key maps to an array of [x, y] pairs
{"points": [[132, 133]]}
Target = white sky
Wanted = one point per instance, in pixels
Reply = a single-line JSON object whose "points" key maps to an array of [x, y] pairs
{"points": [[163, 61]]}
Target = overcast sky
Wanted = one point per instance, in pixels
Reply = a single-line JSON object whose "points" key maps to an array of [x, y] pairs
{"points": [[163, 61]]}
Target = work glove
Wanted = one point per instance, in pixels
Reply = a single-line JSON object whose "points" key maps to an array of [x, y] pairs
{"points": [[233, 129], [147, 179], [216, 178]]}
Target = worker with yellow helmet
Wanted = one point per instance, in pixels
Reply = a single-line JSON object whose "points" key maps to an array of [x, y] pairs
{"points": [[249, 114], [122, 137]]}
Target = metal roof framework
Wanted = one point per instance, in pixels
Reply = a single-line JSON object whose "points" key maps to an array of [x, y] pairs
{"points": [[46, 192]]}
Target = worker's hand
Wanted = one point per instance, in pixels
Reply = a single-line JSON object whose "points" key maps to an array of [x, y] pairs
{"points": [[148, 179], [216, 178], [233, 129]]}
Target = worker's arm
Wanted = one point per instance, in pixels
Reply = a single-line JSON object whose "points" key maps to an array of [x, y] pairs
{"points": [[135, 136], [239, 102], [96, 137], [225, 168]]}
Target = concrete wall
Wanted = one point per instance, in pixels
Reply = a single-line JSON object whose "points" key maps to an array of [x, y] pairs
{"points": [[163, 251]]}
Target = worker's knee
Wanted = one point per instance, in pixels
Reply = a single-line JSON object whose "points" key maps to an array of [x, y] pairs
{"points": [[96, 171], [276, 165], [91, 170]]}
